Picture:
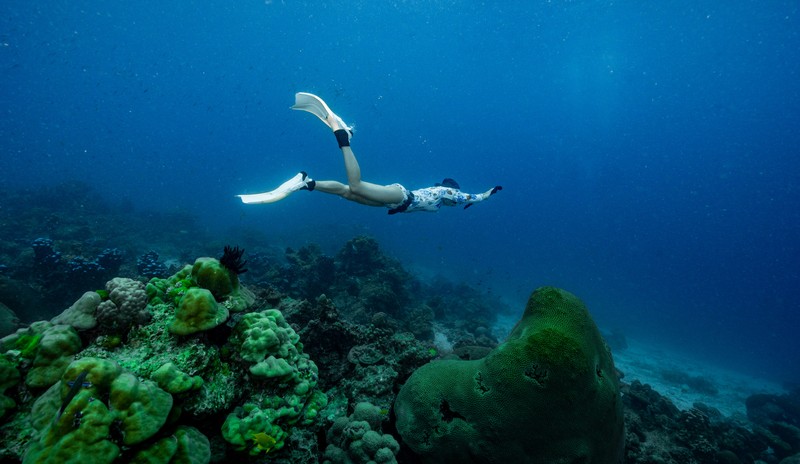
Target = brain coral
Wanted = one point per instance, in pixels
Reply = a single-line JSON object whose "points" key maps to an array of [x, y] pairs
{"points": [[548, 394]]}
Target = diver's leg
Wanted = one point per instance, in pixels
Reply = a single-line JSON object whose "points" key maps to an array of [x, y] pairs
{"points": [[337, 188], [333, 187], [362, 192], [383, 194]]}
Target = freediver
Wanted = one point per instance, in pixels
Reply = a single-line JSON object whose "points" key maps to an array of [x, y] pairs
{"points": [[395, 197]]}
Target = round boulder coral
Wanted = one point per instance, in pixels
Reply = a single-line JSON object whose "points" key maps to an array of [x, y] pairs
{"points": [[81, 315], [57, 345], [211, 275], [196, 312], [174, 381], [93, 411], [548, 394]]}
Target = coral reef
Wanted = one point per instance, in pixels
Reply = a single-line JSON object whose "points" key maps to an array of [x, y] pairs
{"points": [[307, 381], [299, 362], [243, 377], [197, 311]]}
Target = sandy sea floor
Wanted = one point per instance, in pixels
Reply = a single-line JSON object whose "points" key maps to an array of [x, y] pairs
{"points": [[647, 364]]}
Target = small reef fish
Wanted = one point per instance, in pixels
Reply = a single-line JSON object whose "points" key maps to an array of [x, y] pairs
{"points": [[74, 387], [263, 441]]}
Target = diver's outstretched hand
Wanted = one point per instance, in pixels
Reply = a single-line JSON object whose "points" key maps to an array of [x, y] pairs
{"points": [[487, 194]]}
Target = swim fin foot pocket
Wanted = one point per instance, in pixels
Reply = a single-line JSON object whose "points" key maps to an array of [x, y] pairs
{"points": [[304, 101]]}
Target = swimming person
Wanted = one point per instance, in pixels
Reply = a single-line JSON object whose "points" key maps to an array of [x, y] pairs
{"points": [[395, 197]]}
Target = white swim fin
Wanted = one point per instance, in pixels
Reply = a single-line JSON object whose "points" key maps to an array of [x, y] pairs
{"points": [[313, 104], [299, 182]]}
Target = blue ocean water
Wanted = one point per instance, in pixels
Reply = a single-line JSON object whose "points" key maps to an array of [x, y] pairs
{"points": [[648, 151]]}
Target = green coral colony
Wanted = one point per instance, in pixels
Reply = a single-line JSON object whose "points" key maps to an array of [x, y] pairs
{"points": [[136, 373]]}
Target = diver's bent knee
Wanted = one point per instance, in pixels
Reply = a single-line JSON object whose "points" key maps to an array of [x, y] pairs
{"points": [[357, 188]]}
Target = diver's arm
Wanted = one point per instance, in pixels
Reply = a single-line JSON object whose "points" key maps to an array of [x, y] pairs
{"points": [[472, 198]]}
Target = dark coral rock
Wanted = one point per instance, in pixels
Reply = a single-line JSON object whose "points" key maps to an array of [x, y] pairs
{"points": [[775, 443], [364, 362], [727, 457], [763, 408], [794, 459], [381, 366], [616, 340], [470, 352], [658, 432], [778, 417], [360, 256], [148, 266], [419, 322], [83, 273], [365, 355], [695, 432], [459, 305], [642, 399], [23, 299], [45, 257], [383, 291], [333, 337], [382, 320], [111, 259], [788, 433], [309, 273], [697, 383]]}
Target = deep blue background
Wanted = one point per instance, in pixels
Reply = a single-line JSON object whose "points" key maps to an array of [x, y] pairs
{"points": [[648, 150]]}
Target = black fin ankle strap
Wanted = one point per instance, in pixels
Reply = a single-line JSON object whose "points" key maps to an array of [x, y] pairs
{"points": [[342, 138]]}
